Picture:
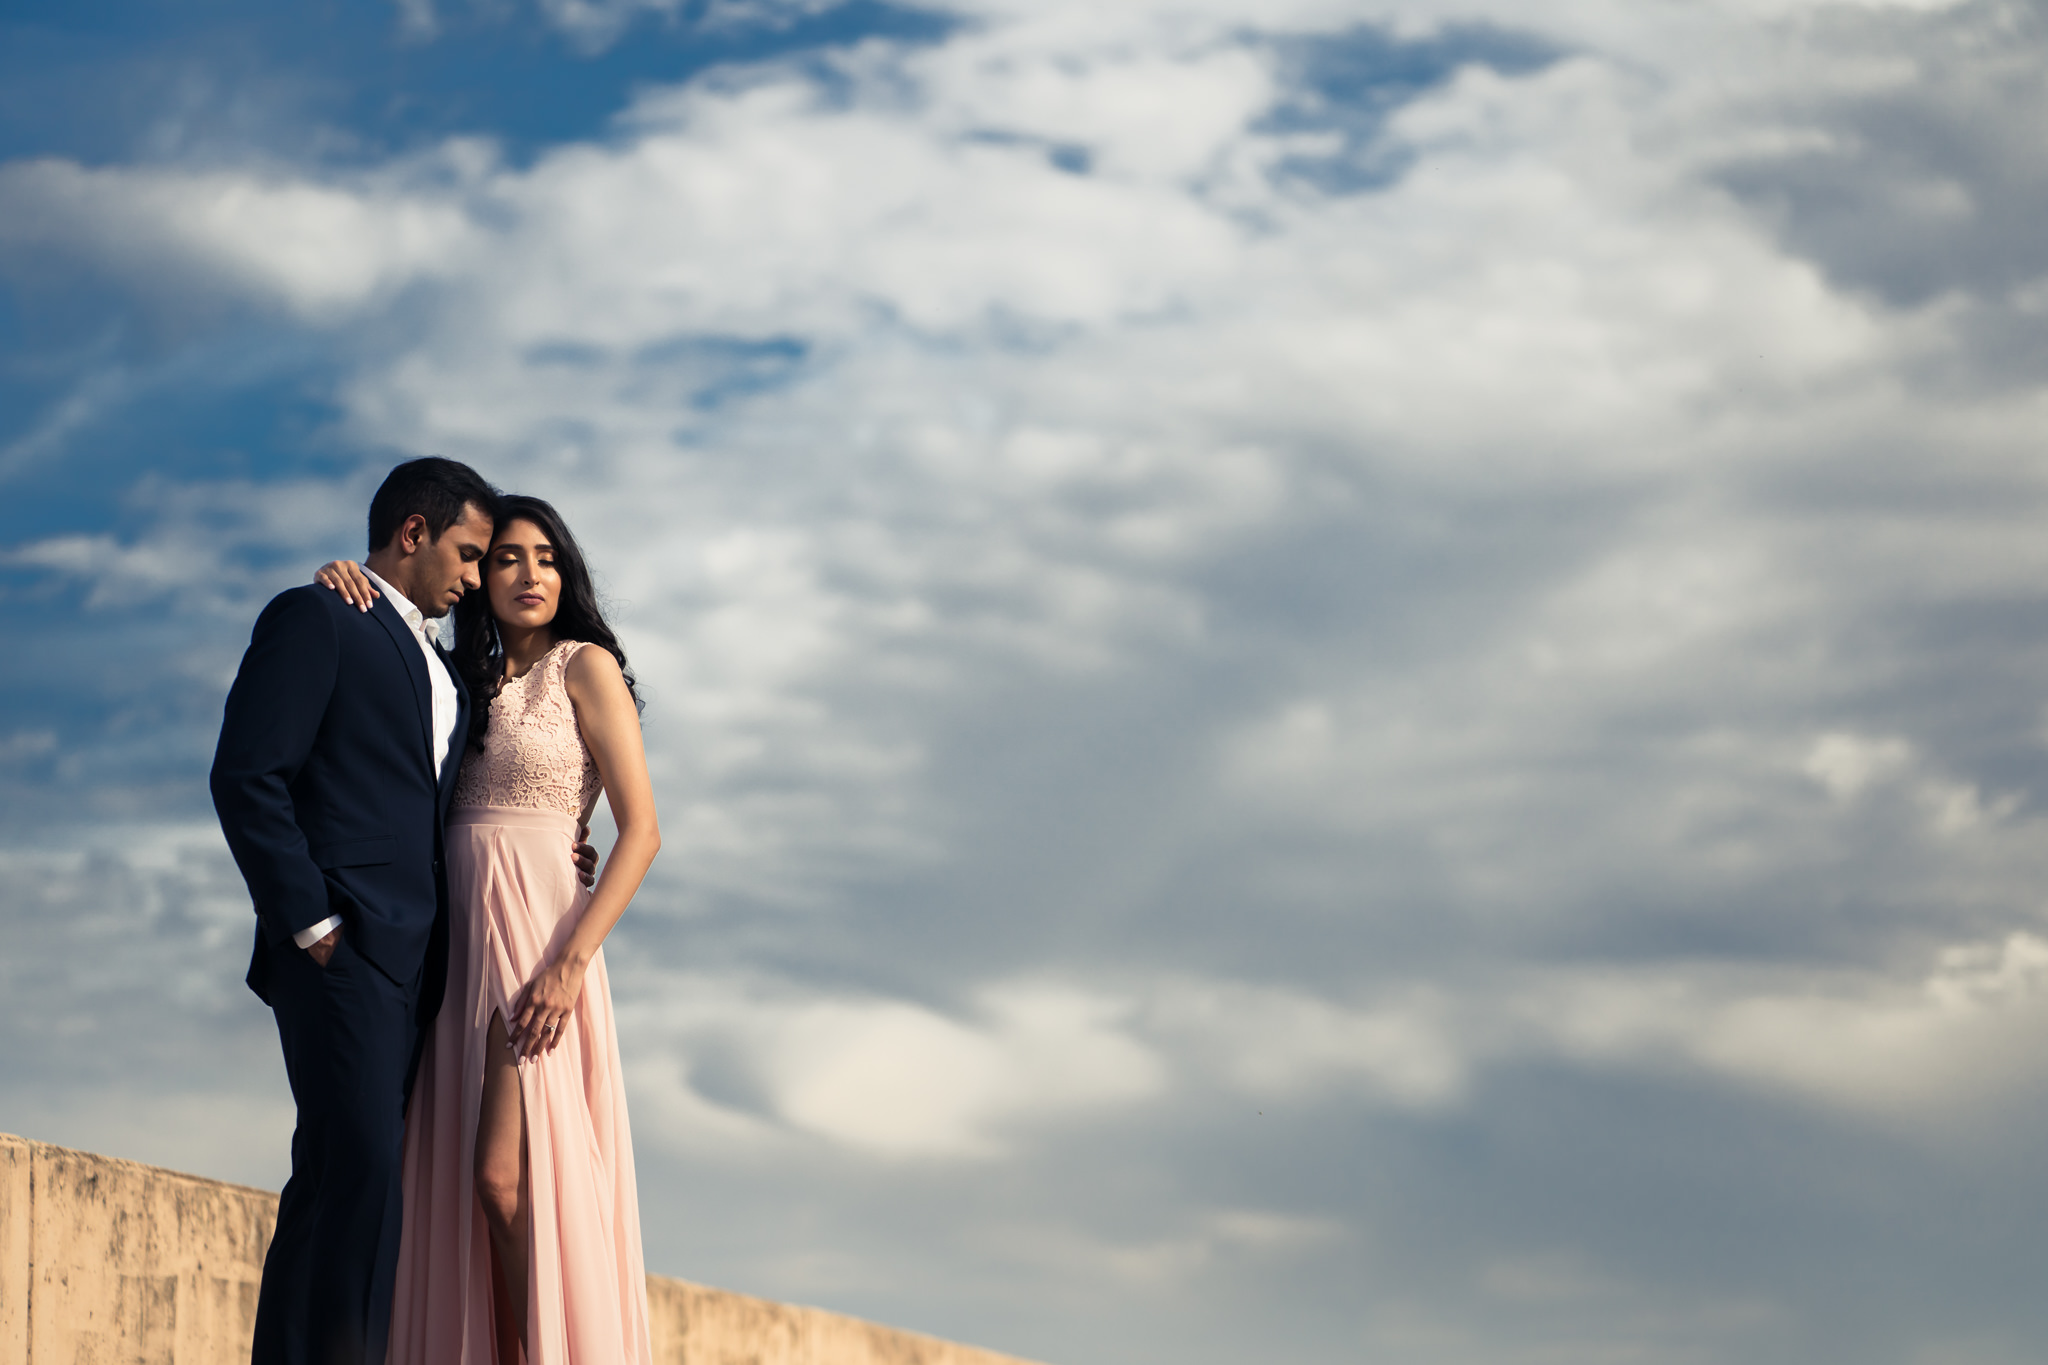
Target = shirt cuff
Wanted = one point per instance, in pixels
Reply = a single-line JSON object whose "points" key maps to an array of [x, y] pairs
{"points": [[306, 938]]}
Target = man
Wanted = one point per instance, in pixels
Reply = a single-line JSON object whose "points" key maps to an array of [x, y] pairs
{"points": [[337, 757]]}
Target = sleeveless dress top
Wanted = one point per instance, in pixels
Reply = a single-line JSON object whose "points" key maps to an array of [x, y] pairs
{"points": [[513, 898], [534, 757]]}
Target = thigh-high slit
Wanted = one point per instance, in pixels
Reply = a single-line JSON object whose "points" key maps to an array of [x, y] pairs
{"points": [[514, 898]]}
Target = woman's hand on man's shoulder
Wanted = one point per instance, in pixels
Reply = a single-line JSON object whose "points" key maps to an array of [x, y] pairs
{"points": [[346, 577]]}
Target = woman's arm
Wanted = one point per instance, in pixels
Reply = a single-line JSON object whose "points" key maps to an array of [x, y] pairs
{"points": [[346, 577], [611, 727]]}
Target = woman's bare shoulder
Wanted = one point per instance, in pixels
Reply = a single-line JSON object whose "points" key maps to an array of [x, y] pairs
{"points": [[592, 660], [591, 667]]}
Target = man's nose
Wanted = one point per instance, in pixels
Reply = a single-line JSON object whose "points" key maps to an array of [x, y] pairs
{"points": [[472, 578]]}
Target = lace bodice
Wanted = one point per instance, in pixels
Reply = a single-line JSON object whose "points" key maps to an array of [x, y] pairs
{"points": [[534, 757]]}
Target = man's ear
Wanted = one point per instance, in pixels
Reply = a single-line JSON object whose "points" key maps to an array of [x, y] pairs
{"points": [[412, 534]]}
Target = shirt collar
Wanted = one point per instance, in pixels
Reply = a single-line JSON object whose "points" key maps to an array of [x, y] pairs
{"points": [[407, 612]]}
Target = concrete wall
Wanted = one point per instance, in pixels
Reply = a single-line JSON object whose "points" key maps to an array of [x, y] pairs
{"points": [[106, 1262]]}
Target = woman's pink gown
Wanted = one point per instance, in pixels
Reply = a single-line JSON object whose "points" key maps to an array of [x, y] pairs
{"points": [[513, 897]]}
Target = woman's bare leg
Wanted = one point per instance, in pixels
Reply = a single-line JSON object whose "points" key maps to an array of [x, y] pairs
{"points": [[503, 1324], [501, 1186]]}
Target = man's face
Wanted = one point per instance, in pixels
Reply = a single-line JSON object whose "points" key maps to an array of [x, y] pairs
{"points": [[447, 567]]}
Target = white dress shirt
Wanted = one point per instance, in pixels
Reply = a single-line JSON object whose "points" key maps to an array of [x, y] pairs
{"points": [[427, 634]]}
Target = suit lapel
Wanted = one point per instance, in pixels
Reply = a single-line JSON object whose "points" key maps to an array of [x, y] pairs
{"points": [[407, 643]]}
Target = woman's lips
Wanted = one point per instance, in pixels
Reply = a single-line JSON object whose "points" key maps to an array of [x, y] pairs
{"points": [[531, 599]]}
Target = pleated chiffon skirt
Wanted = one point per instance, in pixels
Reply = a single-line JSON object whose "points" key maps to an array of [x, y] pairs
{"points": [[514, 898]]}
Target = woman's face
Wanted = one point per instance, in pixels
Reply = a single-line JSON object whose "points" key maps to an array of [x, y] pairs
{"points": [[520, 576]]}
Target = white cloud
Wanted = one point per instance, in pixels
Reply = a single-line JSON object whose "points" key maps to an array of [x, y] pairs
{"points": [[126, 944], [64, 422], [125, 574], [1847, 764], [1945, 1049], [25, 744], [1208, 1240], [597, 24], [418, 19], [318, 250], [878, 404], [896, 1079], [199, 546], [903, 1080], [1328, 643], [1275, 1043]]}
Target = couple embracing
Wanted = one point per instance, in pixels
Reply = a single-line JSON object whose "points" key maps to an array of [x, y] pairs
{"points": [[409, 821]]}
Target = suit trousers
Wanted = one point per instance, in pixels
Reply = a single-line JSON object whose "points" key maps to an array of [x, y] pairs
{"points": [[350, 1046]]}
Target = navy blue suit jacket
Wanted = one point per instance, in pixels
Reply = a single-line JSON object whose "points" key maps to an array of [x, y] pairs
{"points": [[325, 785]]}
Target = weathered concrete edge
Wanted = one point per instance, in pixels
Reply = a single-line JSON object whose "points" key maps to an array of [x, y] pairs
{"points": [[693, 1324], [31, 1145], [709, 1324], [17, 1213]]}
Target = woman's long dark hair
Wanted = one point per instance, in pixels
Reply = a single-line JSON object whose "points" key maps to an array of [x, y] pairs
{"points": [[480, 655]]}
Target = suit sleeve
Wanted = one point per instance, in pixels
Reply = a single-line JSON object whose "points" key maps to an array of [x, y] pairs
{"points": [[273, 716]]}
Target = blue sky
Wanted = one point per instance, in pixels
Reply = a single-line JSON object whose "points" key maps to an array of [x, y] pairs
{"points": [[1328, 680]]}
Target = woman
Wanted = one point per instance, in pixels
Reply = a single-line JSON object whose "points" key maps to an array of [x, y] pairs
{"points": [[522, 1226]]}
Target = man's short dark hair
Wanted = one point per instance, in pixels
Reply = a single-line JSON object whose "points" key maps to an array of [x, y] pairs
{"points": [[433, 488]]}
